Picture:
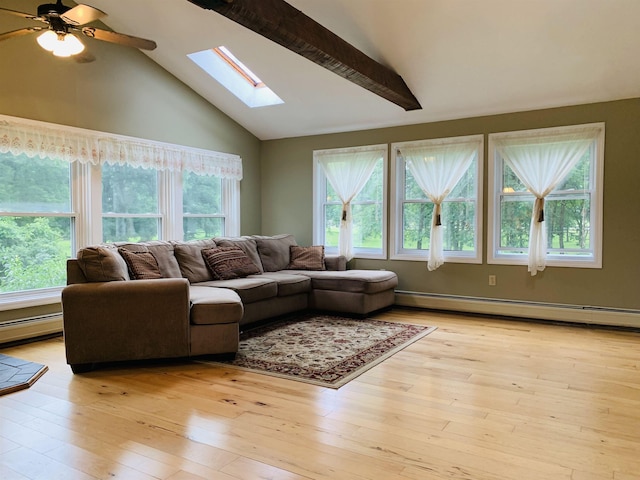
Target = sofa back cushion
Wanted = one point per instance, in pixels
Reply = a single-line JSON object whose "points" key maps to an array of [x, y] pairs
{"points": [[189, 256], [162, 251], [274, 251], [247, 244], [102, 263]]}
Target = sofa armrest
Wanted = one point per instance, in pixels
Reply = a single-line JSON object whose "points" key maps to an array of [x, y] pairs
{"points": [[126, 320], [335, 262]]}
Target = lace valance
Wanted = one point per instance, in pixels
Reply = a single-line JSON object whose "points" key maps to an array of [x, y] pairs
{"points": [[71, 144]]}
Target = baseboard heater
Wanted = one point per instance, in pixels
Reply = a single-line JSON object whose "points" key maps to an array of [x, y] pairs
{"points": [[515, 308], [32, 327]]}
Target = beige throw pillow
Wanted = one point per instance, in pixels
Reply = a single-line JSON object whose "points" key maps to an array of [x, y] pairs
{"points": [[307, 258]]}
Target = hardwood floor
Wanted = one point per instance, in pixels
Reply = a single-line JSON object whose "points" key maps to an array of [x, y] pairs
{"points": [[480, 399]]}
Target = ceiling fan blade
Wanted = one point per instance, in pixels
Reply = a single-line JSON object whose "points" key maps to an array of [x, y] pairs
{"points": [[18, 33], [82, 14], [28, 16], [119, 38]]}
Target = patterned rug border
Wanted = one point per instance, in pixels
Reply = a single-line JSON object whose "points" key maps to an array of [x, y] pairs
{"points": [[341, 381]]}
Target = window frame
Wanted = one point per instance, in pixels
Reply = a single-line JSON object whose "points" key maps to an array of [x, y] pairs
{"points": [[398, 189], [495, 169], [319, 195]]}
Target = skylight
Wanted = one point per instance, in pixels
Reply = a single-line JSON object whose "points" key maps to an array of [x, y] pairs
{"points": [[234, 75]]}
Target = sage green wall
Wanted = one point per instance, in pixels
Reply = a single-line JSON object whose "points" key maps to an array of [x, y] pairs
{"points": [[287, 207], [121, 92]]}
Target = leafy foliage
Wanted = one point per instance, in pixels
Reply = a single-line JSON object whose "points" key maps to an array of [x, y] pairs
{"points": [[33, 252], [567, 212]]}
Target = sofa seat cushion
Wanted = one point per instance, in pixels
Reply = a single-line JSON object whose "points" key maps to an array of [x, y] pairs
{"points": [[289, 284], [354, 281], [250, 289], [211, 306]]}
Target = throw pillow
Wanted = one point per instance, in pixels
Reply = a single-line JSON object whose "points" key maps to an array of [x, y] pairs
{"points": [[162, 251], [307, 258], [247, 244], [226, 263], [142, 265]]}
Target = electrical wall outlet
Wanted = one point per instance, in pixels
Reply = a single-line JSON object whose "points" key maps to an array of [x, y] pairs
{"points": [[492, 280]]}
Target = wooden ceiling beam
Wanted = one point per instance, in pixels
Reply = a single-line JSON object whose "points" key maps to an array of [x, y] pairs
{"points": [[280, 22]]}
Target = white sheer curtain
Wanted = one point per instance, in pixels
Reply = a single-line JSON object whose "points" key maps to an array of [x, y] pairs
{"points": [[348, 170], [437, 167], [47, 140], [542, 162]]}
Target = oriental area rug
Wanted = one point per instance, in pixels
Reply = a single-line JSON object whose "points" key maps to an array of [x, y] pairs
{"points": [[323, 350]]}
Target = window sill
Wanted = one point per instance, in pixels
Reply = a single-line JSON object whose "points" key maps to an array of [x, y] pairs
{"points": [[35, 298], [551, 262], [413, 257]]}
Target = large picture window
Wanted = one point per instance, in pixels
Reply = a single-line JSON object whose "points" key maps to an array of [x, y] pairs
{"points": [[449, 171], [63, 188], [360, 175], [545, 203]]}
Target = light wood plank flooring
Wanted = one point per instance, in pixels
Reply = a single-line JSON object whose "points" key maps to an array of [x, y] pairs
{"points": [[480, 399]]}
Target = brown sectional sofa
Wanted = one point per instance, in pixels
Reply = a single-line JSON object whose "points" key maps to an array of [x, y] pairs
{"points": [[186, 310]]}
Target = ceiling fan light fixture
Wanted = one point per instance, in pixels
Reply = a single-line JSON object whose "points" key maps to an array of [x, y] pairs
{"points": [[69, 45], [48, 40], [61, 44]]}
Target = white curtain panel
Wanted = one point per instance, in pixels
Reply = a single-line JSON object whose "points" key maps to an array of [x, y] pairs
{"points": [[542, 163], [348, 171], [47, 140], [437, 168]]}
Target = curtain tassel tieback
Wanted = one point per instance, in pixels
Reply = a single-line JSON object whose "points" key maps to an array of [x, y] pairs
{"points": [[540, 209], [438, 214], [346, 212]]}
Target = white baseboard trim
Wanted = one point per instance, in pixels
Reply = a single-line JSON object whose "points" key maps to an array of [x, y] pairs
{"points": [[515, 308], [30, 328]]}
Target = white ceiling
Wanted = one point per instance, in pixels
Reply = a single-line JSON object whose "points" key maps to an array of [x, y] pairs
{"points": [[460, 58]]}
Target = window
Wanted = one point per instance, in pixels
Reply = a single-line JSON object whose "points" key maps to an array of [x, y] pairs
{"points": [[130, 204], [461, 209], [367, 207], [572, 209], [202, 199], [36, 222], [56, 181]]}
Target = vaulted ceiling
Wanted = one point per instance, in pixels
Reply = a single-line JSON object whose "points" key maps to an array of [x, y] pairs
{"points": [[460, 58]]}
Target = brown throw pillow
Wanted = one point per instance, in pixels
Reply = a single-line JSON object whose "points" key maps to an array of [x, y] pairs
{"points": [[226, 263], [307, 258], [142, 265]]}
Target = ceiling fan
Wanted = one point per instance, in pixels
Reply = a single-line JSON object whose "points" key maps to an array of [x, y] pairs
{"points": [[62, 21]]}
